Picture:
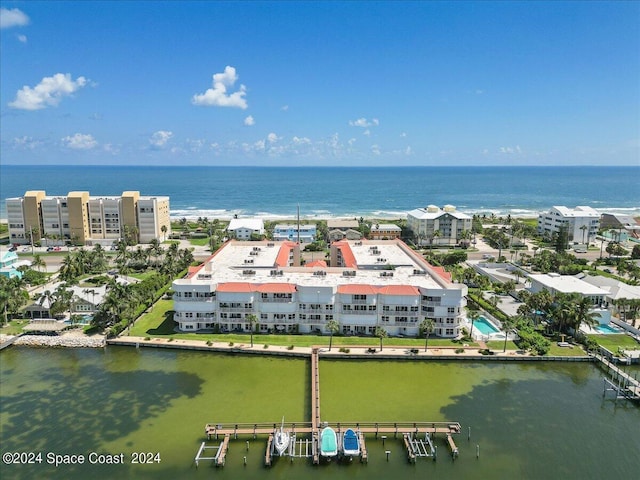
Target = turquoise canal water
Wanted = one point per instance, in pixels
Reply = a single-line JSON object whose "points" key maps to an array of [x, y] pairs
{"points": [[530, 420]]}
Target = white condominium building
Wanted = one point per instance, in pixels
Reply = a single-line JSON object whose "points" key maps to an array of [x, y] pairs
{"points": [[435, 226], [244, 228], [85, 219], [369, 284], [582, 223]]}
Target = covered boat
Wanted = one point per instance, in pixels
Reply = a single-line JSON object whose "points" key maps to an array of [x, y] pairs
{"points": [[328, 442], [350, 443], [281, 439]]}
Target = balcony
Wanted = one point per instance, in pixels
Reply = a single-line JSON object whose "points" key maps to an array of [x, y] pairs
{"points": [[236, 309]]}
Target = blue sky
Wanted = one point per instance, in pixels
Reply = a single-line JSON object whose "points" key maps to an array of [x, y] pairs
{"points": [[320, 83]]}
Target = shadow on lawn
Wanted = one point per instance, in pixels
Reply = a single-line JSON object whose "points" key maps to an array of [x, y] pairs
{"points": [[166, 327]]}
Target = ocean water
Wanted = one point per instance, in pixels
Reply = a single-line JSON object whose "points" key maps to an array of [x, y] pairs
{"points": [[324, 192]]}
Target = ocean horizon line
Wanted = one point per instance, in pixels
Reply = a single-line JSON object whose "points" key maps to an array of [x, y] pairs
{"points": [[142, 165]]}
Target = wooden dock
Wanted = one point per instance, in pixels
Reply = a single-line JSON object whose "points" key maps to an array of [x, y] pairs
{"points": [[310, 447], [624, 385], [213, 431], [315, 402], [267, 455], [452, 446], [364, 457]]}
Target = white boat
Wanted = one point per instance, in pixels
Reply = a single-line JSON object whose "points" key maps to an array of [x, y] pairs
{"points": [[281, 440], [328, 442], [350, 443]]}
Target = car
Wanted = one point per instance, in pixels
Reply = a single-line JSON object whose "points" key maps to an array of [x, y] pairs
{"points": [[607, 270], [13, 249], [49, 249], [57, 249]]}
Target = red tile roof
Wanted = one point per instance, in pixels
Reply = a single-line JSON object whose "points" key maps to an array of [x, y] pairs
{"points": [[357, 289], [347, 255], [398, 290], [316, 263], [193, 270], [442, 273], [276, 288], [282, 260], [236, 287]]}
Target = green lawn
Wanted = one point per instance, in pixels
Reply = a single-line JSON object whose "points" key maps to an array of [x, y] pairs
{"points": [[159, 323], [498, 345], [612, 342], [14, 327], [557, 351], [199, 242]]}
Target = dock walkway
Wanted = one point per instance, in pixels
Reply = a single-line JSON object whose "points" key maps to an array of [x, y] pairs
{"points": [[622, 383], [310, 447]]}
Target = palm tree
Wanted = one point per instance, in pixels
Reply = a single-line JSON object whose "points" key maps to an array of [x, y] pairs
{"points": [[426, 327], [163, 229], [251, 320], [584, 314], [333, 326], [507, 325], [584, 228], [38, 262], [473, 314], [381, 333], [434, 235]]}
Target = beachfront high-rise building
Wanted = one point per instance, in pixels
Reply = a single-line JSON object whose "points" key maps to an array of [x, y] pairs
{"points": [[85, 219], [582, 223], [369, 284], [435, 226]]}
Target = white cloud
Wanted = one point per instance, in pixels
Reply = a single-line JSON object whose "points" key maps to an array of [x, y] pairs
{"points": [[160, 138], [511, 150], [26, 143], [375, 149], [301, 141], [408, 151], [13, 18], [22, 38], [273, 138], [403, 135], [48, 92], [284, 108], [80, 141], [218, 96], [364, 123], [249, 121], [367, 133]]}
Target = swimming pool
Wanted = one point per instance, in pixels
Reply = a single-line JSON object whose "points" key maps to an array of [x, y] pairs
{"points": [[606, 329], [485, 327]]}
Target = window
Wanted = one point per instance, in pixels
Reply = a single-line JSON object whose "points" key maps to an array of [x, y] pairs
{"points": [[385, 318], [372, 308], [451, 310], [449, 331]]}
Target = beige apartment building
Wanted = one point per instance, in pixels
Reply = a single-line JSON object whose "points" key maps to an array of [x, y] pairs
{"points": [[85, 219]]}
